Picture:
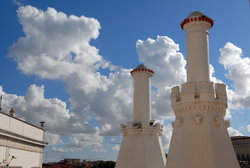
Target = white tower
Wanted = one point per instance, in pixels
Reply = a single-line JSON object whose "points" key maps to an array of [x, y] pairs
{"points": [[200, 138], [141, 145]]}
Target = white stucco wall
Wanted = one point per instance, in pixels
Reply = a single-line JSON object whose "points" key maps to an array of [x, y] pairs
{"points": [[4, 122], [19, 127], [22, 140], [25, 159], [2, 153]]}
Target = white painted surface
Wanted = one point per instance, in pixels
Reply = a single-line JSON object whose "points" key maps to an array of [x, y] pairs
{"points": [[141, 151], [19, 127], [197, 48], [141, 145], [4, 122], [22, 140], [2, 153], [25, 159], [142, 100], [200, 138]]}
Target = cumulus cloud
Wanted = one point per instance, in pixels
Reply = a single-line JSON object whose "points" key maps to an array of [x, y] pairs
{"points": [[83, 140], [62, 150], [163, 56], [116, 147], [234, 132], [53, 139], [34, 107], [248, 128], [238, 71], [166, 137], [99, 150], [57, 47]]}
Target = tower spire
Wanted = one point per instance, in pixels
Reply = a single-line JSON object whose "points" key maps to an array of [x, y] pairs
{"points": [[141, 145], [200, 137], [196, 26]]}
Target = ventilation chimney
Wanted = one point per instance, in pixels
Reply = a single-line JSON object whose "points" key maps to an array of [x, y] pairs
{"points": [[11, 112], [42, 124]]}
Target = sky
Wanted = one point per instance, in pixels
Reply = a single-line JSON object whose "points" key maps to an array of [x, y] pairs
{"points": [[68, 63]]}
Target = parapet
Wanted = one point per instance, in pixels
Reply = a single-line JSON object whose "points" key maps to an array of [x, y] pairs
{"points": [[142, 129], [205, 91]]}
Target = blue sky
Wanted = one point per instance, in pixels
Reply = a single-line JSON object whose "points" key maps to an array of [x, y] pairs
{"points": [[68, 63]]}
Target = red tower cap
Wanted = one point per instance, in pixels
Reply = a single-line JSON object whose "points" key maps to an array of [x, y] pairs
{"points": [[142, 68], [197, 16]]}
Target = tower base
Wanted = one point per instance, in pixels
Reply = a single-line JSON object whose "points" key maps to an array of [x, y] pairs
{"points": [[200, 137], [141, 146]]}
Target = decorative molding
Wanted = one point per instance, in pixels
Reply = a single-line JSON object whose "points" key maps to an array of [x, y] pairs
{"points": [[25, 139], [199, 107], [227, 122], [195, 19], [18, 144], [141, 129], [197, 119], [217, 121]]}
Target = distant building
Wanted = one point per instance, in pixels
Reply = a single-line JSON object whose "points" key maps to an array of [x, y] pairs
{"points": [[78, 163], [20, 142], [241, 146], [72, 161]]}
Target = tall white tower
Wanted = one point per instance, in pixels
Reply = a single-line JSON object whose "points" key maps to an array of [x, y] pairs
{"points": [[141, 145], [200, 138]]}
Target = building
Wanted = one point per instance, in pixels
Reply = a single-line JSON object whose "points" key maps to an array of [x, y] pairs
{"points": [[241, 146], [21, 143], [141, 145], [200, 137]]}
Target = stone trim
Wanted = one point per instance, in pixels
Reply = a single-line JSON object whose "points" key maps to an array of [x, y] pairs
{"points": [[194, 19], [199, 107], [142, 129], [12, 135], [18, 144], [22, 121]]}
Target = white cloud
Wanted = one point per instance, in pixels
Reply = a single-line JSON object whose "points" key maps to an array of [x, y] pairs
{"points": [[56, 46], [53, 139], [83, 140], [234, 132], [238, 71], [166, 137], [18, 3], [62, 150], [116, 147], [99, 150], [163, 57], [34, 107], [248, 128]]}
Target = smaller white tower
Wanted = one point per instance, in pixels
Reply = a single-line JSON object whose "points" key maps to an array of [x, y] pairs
{"points": [[142, 92], [141, 145]]}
